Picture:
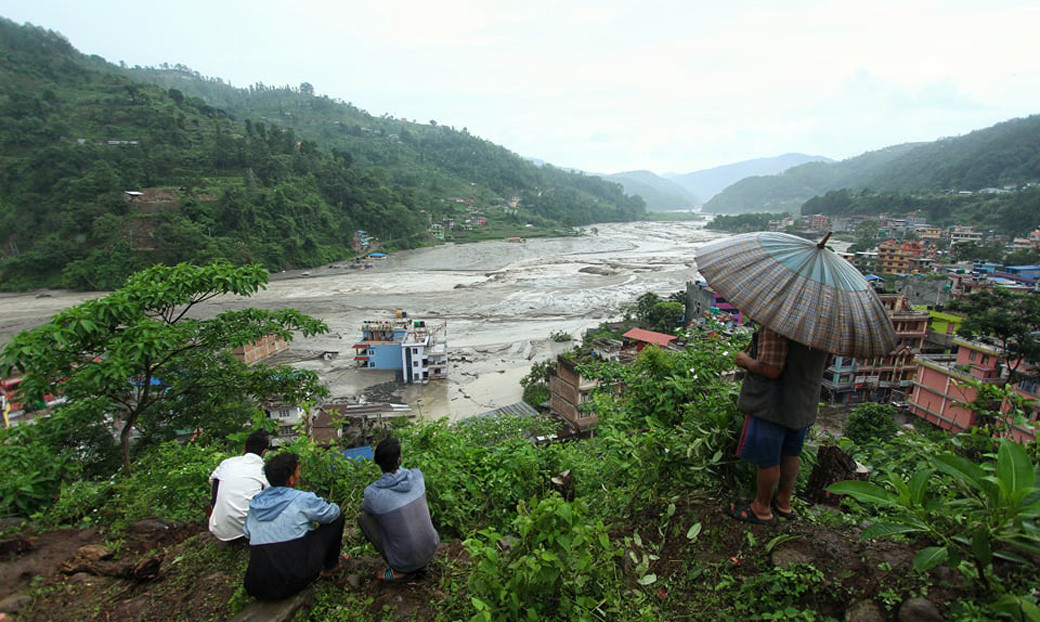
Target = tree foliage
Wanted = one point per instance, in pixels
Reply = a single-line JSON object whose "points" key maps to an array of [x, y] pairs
{"points": [[140, 359], [286, 185], [1013, 320], [871, 423]]}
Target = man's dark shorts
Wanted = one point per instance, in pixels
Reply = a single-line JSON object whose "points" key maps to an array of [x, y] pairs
{"points": [[762, 442]]}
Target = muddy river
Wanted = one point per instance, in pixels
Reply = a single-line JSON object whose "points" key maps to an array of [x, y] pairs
{"points": [[499, 300]]}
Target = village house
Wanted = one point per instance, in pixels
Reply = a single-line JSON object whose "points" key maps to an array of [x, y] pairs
{"points": [[941, 388], [418, 351], [640, 338], [702, 300], [883, 378], [260, 349], [569, 390]]}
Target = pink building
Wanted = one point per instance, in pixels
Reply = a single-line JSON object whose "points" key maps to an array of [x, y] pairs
{"points": [[939, 389]]}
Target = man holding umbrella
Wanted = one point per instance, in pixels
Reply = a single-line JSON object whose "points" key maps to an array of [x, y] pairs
{"points": [[780, 397], [810, 303]]}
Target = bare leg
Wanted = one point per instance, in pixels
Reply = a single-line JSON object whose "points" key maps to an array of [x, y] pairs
{"points": [[788, 475], [765, 484]]}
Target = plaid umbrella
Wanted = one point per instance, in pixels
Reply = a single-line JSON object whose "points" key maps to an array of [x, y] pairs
{"points": [[801, 290]]}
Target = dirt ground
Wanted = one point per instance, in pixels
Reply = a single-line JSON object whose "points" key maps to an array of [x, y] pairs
{"points": [[42, 575]]}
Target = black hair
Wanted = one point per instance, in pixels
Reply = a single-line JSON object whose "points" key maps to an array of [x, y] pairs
{"points": [[279, 468], [257, 442], [388, 454]]}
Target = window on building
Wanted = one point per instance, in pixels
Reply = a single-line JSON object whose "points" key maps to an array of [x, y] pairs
{"points": [[415, 363]]}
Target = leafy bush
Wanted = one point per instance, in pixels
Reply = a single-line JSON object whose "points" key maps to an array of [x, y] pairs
{"points": [[990, 511], [560, 565], [871, 423], [560, 336], [171, 482], [33, 474]]}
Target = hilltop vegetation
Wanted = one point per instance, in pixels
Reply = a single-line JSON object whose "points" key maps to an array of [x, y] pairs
{"points": [[1007, 153], [279, 177], [637, 531], [1009, 213]]}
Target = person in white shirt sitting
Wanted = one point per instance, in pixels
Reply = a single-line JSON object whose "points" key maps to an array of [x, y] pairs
{"points": [[234, 482]]}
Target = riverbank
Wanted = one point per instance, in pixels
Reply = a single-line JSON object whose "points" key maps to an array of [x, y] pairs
{"points": [[500, 301]]}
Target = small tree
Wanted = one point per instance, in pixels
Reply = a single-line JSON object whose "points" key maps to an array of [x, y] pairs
{"points": [[137, 355], [1013, 320], [871, 423]]}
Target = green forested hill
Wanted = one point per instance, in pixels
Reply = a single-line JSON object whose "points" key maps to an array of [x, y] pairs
{"points": [[276, 176], [1007, 153]]}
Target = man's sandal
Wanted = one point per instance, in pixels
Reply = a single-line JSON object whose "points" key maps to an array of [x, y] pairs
{"points": [[745, 514], [394, 577], [790, 515]]}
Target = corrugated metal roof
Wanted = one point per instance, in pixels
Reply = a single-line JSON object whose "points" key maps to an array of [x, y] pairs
{"points": [[649, 336]]}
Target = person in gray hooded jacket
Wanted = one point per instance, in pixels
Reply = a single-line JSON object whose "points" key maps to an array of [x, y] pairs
{"points": [[293, 535], [394, 515]]}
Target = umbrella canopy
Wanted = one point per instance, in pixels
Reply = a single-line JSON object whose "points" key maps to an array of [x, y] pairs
{"points": [[801, 290]]}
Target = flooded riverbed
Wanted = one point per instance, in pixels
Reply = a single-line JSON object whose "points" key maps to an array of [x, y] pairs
{"points": [[500, 301]]}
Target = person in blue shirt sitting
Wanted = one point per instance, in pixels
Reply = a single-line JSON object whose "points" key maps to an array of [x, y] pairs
{"points": [[293, 535]]}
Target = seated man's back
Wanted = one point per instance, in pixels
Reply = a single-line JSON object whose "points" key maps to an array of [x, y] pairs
{"points": [[293, 535], [398, 501], [394, 515], [234, 483]]}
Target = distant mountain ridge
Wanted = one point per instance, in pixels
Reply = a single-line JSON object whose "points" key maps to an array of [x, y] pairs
{"points": [[709, 182], [675, 191], [660, 194], [1006, 153]]}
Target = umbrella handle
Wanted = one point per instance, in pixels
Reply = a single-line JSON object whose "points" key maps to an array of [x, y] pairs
{"points": [[823, 242]]}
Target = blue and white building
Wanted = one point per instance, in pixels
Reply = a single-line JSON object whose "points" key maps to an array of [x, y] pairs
{"points": [[418, 350]]}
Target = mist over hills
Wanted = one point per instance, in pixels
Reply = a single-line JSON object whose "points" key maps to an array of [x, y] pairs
{"points": [[660, 194], [675, 191]]}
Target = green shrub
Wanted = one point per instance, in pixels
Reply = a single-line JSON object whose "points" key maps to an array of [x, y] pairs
{"points": [[871, 423], [32, 473], [976, 512], [560, 565], [171, 481]]}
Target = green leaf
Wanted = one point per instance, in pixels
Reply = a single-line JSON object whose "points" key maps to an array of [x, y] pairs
{"points": [[919, 486], [647, 579], [693, 531], [885, 530], [981, 547], [1031, 611], [960, 468], [863, 491], [1015, 471], [930, 557]]}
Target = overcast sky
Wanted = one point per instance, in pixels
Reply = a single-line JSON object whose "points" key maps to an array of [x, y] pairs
{"points": [[667, 86]]}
